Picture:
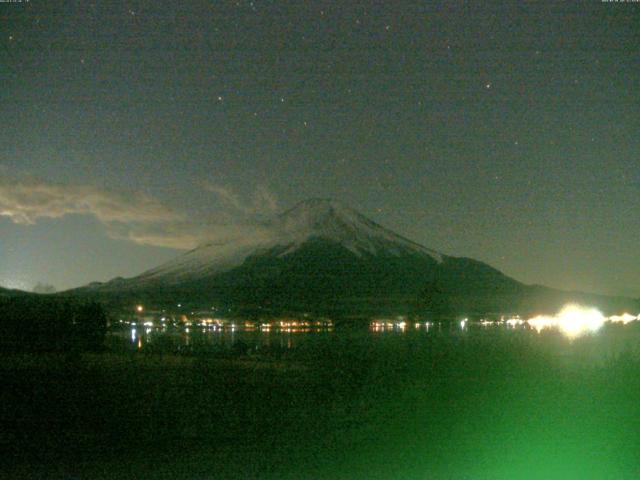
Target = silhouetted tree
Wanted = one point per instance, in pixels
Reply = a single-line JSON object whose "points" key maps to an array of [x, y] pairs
{"points": [[34, 323], [90, 326]]}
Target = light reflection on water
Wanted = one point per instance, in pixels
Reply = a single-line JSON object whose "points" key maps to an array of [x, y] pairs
{"points": [[248, 336], [255, 338], [272, 337]]}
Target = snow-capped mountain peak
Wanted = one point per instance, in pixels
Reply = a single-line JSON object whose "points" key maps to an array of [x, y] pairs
{"points": [[312, 219], [331, 220]]}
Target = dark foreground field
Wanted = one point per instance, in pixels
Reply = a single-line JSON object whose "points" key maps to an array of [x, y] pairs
{"points": [[476, 405]]}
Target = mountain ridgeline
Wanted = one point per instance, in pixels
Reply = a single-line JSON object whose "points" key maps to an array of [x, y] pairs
{"points": [[325, 258]]}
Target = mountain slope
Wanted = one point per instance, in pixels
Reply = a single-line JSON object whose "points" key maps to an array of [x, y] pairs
{"points": [[6, 292], [312, 219], [319, 255], [322, 256]]}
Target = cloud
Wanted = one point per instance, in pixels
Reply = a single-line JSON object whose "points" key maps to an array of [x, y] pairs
{"points": [[188, 235], [137, 217], [265, 201], [262, 203], [26, 201], [228, 197]]}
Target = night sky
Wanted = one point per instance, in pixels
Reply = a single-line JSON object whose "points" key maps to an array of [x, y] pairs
{"points": [[132, 131]]}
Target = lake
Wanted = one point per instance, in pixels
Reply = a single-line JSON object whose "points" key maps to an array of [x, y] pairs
{"points": [[276, 336], [276, 339], [447, 401]]}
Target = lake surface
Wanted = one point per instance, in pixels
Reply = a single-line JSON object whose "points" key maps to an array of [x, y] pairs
{"points": [[254, 338], [258, 337], [447, 401], [199, 339]]}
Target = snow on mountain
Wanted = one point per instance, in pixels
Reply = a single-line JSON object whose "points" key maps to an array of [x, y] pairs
{"points": [[316, 218], [321, 256], [333, 221], [205, 260]]}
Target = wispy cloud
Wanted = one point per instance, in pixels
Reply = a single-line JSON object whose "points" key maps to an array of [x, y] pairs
{"points": [[188, 235], [25, 201], [138, 217], [262, 202]]}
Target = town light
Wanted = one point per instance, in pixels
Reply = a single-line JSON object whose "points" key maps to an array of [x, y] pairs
{"points": [[624, 318], [572, 320]]}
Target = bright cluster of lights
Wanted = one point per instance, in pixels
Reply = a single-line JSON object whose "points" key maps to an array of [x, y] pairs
{"points": [[381, 325], [574, 320], [425, 325], [514, 322], [624, 318]]}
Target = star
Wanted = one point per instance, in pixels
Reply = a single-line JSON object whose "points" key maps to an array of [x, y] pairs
{"points": [[488, 86]]}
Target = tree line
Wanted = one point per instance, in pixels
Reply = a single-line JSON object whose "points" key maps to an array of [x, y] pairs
{"points": [[48, 324]]}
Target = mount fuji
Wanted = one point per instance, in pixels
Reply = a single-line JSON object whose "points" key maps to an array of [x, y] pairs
{"points": [[310, 221], [321, 256]]}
